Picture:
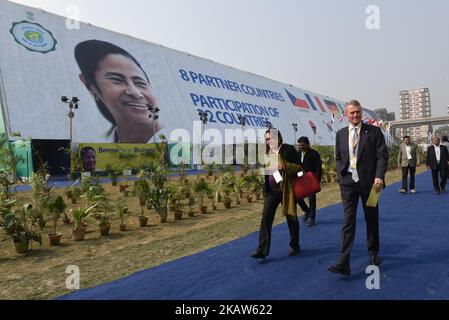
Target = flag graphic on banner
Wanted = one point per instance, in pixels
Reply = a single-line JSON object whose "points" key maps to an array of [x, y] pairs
{"points": [[320, 104], [298, 102], [310, 102]]}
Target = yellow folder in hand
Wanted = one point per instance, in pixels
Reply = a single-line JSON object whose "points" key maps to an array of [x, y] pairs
{"points": [[373, 197]]}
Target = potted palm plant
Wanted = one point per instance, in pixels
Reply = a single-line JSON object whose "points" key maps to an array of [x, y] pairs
{"points": [[79, 216], [104, 224], [202, 188], [141, 190], [41, 193], [56, 208], [128, 158], [112, 174], [175, 201], [122, 209], [21, 229], [158, 197], [249, 182], [190, 204], [76, 195], [181, 168], [185, 189], [258, 185], [229, 184], [210, 169]]}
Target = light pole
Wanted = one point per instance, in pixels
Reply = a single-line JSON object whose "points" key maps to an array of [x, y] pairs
{"points": [[154, 114], [204, 118], [242, 122], [295, 128], [73, 104]]}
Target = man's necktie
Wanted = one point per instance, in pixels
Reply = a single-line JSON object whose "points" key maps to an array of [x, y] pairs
{"points": [[355, 142]]}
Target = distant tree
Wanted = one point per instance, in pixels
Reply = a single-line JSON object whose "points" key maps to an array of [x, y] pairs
{"points": [[442, 131]]}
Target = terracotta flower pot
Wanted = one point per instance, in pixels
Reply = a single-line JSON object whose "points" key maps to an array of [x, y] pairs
{"points": [[122, 227], [178, 214], [203, 209], [227, 203], [162, 216], [54, 239], [123, 188], [143, 221], [191, 214], [21, 247], [79, 233], [249, 199], [104, 228]]}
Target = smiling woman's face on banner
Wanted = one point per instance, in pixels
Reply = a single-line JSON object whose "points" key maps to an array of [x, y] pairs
{"points": [[124, 90]]}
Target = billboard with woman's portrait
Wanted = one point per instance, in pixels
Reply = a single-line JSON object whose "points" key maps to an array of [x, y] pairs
{"points": [[131, 91]]}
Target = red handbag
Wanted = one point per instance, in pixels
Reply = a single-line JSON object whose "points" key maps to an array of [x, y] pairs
{"points": [[306, 185]]}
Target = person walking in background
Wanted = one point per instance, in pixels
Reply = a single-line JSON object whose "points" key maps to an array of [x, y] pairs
{"points": [[279, 192], [361, 160], [437, 161], [311, 162], [408, 159]]}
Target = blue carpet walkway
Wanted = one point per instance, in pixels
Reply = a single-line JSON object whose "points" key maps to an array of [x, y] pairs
{"points": [[414, 235]]}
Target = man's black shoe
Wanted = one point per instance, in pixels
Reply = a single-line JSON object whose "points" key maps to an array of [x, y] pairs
{"points": [[305, 218], [437, 192], [312, 223], [374, 260], [258, 255], [340, 269], [294, 252]]}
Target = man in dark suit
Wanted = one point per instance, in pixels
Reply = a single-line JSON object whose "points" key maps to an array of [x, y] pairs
{"points": [[361, 161], [437, 161], [311, 162]]}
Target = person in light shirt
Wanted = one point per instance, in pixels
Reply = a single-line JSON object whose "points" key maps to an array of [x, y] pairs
{"points": [[408, 160], [437, 161]]}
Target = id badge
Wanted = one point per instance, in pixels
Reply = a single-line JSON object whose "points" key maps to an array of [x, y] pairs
{"points": [[353, 162]]}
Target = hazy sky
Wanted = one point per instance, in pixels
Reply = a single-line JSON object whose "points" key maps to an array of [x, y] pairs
{"points": [[322, 45]]}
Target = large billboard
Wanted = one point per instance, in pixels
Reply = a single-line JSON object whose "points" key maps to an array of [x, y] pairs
{"points": [[131, 91]]}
